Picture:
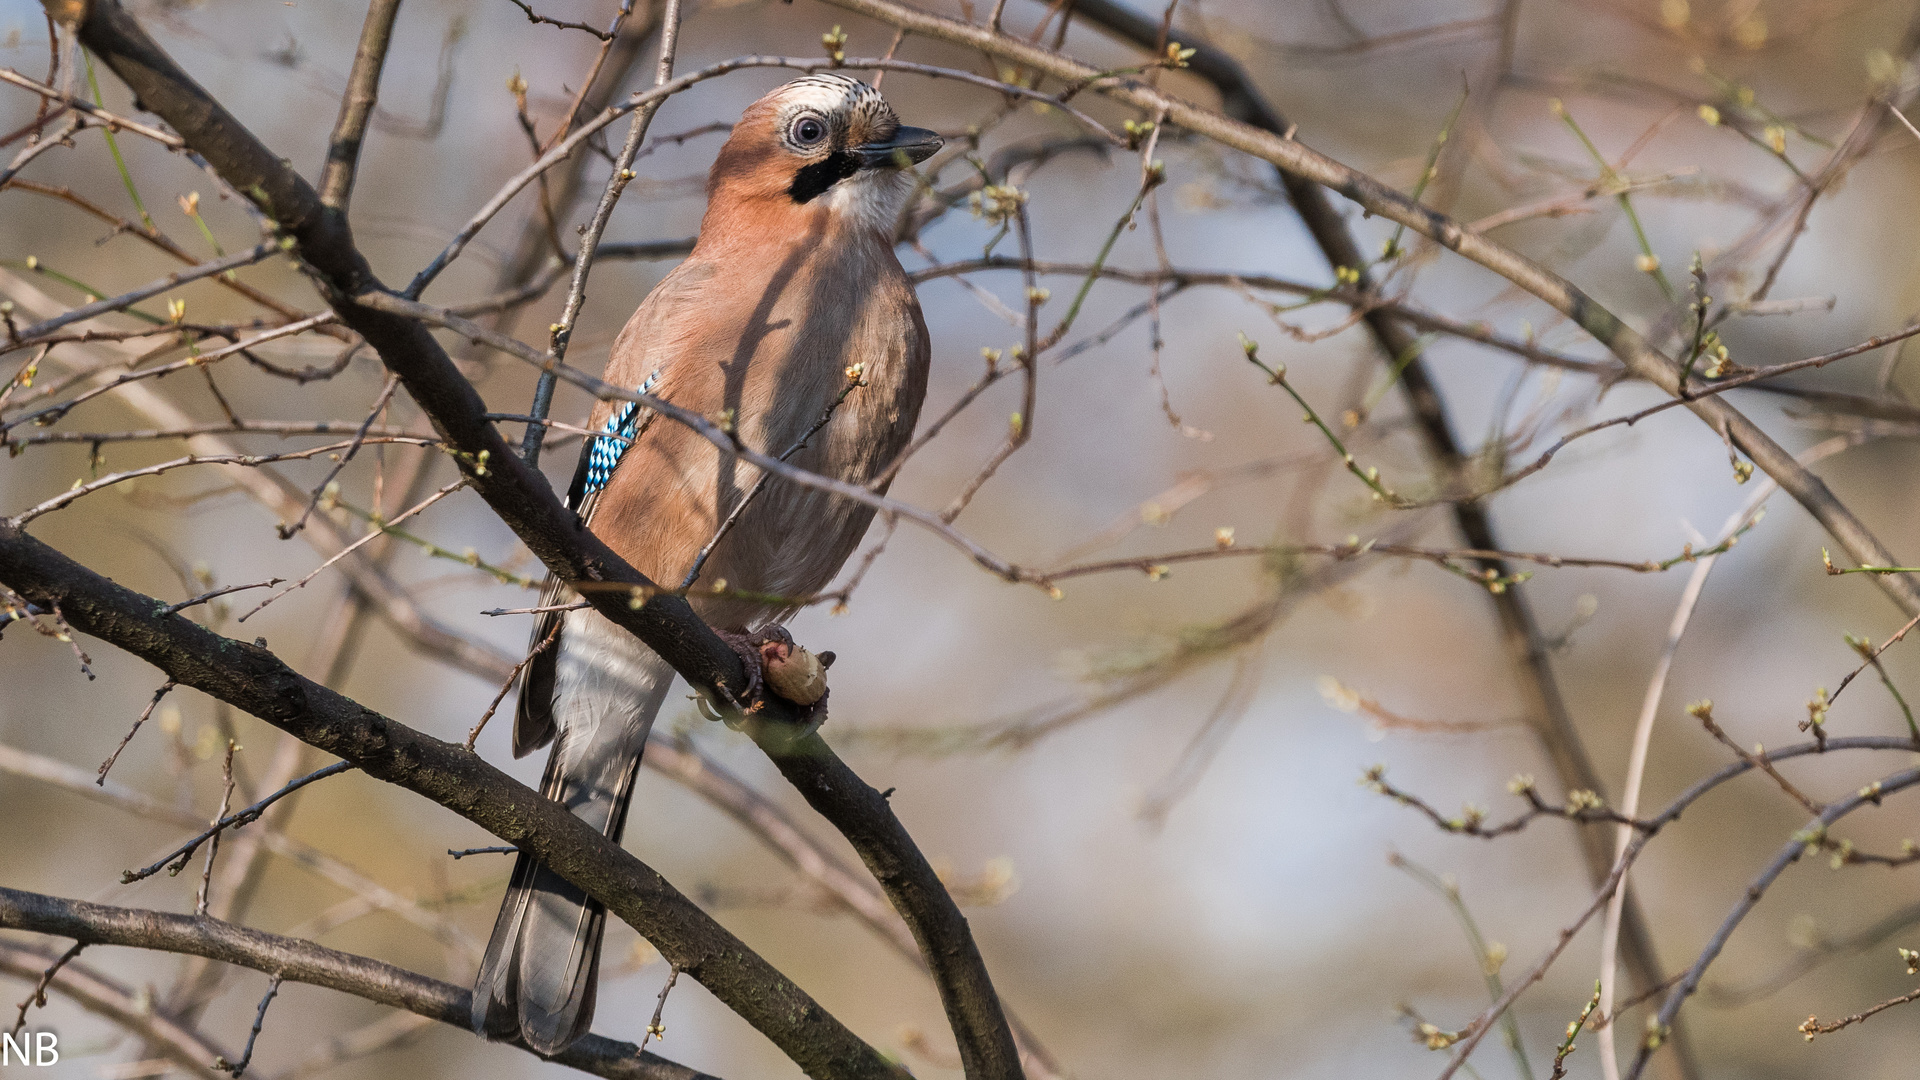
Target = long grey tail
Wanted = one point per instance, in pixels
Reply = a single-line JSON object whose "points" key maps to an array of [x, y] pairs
{"points": [[537, 979]]}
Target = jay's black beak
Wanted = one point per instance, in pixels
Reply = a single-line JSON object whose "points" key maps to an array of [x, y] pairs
{"points": [[909, 146]]}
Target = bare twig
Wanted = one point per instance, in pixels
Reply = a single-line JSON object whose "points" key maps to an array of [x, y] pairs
{"points": [[244, 460], [1484, 958], [740, 508], [1703, 712], [125, 300], [179, 856], [536, 19], [1874, 659], [236, 1069], [213, 848], [1581, 806], [655, 1028], [359, 437], [1813, 1026], [95, 112], [1751, 896], [1566, 1045], [34, 150], [38, 995], [128, 737], [378, 529], [512, 677], [206, 596], [496, 850]]}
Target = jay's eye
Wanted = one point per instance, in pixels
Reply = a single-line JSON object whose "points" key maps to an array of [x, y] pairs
{"points": [[808, 130]]}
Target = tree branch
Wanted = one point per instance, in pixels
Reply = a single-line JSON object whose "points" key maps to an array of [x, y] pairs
{"points": [[98, 994], [296, 960], [356, 107], [1790, 854], [152, 288], [253, 679]]}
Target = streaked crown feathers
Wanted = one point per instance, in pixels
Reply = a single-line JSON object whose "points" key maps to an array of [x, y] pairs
{"points": [[854, 112]]}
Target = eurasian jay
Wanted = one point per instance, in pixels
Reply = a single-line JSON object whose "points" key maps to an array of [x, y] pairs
{"points": [[792, 284]]}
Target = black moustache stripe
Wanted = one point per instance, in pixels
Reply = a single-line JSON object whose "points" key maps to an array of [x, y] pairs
{"points": [[814, 180]]}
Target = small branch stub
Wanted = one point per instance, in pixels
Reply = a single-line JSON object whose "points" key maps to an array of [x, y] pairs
{"points": [[794, 673]]}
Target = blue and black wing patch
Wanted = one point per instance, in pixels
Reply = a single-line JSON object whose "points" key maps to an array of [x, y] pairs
{"points": [[603, 452], [533, 722], [606, 449]]}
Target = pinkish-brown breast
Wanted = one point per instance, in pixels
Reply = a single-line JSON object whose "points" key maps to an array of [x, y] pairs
{"points": [[763, 319]]}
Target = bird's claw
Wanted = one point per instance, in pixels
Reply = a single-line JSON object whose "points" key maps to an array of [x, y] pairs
{"points": [[773, 662]]}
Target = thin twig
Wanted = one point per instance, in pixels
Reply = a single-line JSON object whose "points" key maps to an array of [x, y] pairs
{"points": [[513, 676], [128, 737], [34, 150], [1874, 659], [174, 609], [213, 847], [38, 995], [1566, 1045], [359, 437], [179, 856], [55, 412], [655, 1028], [106, 119], [464, 852], [854, 382], [248, 460], [1484, 958], [575, 606], [153, 288], [1813, 1026], [1703, 712], [536, 19], [572, 113], [380, 528], [1155, 566], [237, 1068]]}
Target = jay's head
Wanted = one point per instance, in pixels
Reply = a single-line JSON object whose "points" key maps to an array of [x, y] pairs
{"points": [[822, 141]]}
